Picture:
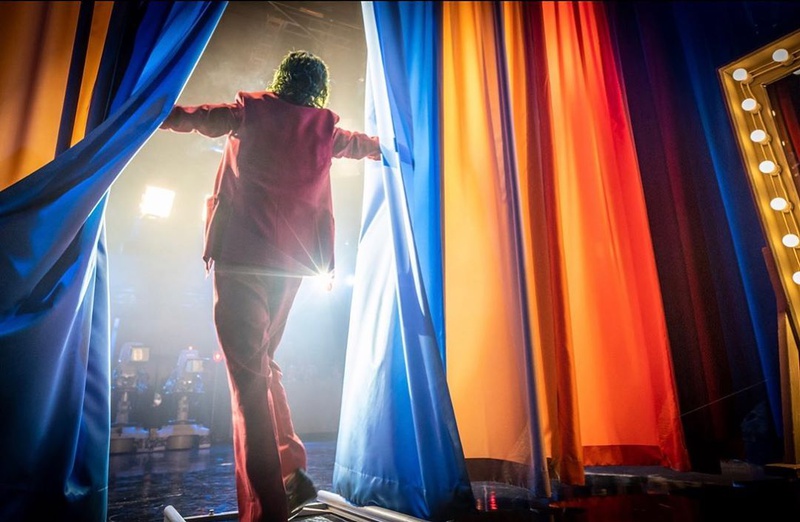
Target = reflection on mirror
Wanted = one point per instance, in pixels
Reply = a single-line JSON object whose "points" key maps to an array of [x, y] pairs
{"points": [[784, 97]]}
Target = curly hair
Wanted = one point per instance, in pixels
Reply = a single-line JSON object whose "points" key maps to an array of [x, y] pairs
{"points": [[302, 79]]}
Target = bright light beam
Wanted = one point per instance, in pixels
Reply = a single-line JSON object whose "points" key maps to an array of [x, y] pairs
{"points": [[156, 202]]}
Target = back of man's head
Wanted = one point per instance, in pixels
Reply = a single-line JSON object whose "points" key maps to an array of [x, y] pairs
{"points": [[302, 79]]}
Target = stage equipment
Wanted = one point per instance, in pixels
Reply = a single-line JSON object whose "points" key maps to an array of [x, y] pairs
{"points": [[185, 388], [128, 382]]}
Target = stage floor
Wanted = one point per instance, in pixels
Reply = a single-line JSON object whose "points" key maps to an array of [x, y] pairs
{"points": [[200, 482]]}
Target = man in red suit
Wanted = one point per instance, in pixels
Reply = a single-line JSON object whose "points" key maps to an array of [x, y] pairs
{"points": [[269, 223]]}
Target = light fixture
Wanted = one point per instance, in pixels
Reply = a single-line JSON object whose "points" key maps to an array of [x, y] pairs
{"points": [[758, 133], [781, 55], [791, 240], [140, 354], [779, 204], [767, 167], [750, 105], [156, 202], [741, 75], [759, 136]]}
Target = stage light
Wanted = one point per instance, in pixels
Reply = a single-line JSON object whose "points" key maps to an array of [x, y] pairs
{"points": [[324, 281], [156, 202], [140, 354]]}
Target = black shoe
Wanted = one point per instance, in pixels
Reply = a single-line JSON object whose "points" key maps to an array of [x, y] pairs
{"points": [[300, 491]]}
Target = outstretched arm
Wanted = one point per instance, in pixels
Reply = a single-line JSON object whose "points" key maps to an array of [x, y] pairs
{"points": [[355, 145], [208, 120]]}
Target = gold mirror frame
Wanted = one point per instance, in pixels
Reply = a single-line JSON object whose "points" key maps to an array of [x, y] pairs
{"points": [[761, 144]]}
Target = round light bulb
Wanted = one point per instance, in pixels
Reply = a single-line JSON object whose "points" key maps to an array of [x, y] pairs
{"points": [[791, 240], [741, 75], [758, 136], [767, 167], [750, 105], [780, 55], [779, 204], [796, 277]]}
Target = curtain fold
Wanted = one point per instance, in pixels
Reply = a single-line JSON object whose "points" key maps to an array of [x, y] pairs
{"points": [[54, 316], [484, 320], [555, 370], [398, 446], [554, 328]]}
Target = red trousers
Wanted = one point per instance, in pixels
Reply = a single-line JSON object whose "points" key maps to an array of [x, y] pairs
{"points": [[250, 312]]}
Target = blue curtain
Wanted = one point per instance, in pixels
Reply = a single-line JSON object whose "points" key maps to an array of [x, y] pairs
{"points": [[398, 445], [54, 310]]}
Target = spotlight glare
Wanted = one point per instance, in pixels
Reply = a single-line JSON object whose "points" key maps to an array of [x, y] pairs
{"points": [[156, 202], [324, 281]]}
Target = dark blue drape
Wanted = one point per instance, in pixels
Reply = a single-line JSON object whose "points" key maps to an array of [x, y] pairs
{"points": [[719, 303], [54, 312]]}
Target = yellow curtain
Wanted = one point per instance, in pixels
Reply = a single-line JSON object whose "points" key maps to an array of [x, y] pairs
{"points": [[36, 42], [483, 321]]}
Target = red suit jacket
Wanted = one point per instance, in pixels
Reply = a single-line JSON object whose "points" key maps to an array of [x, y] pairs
{"points": [[271, 209]]}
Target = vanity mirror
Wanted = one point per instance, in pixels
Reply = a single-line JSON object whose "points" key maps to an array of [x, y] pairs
{"points": [[762, 91]]}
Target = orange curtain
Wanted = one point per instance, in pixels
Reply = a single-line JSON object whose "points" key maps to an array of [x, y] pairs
{"points": [[554, 366], [36, 46], [483, 319], [601, 365], [616, 329]]}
